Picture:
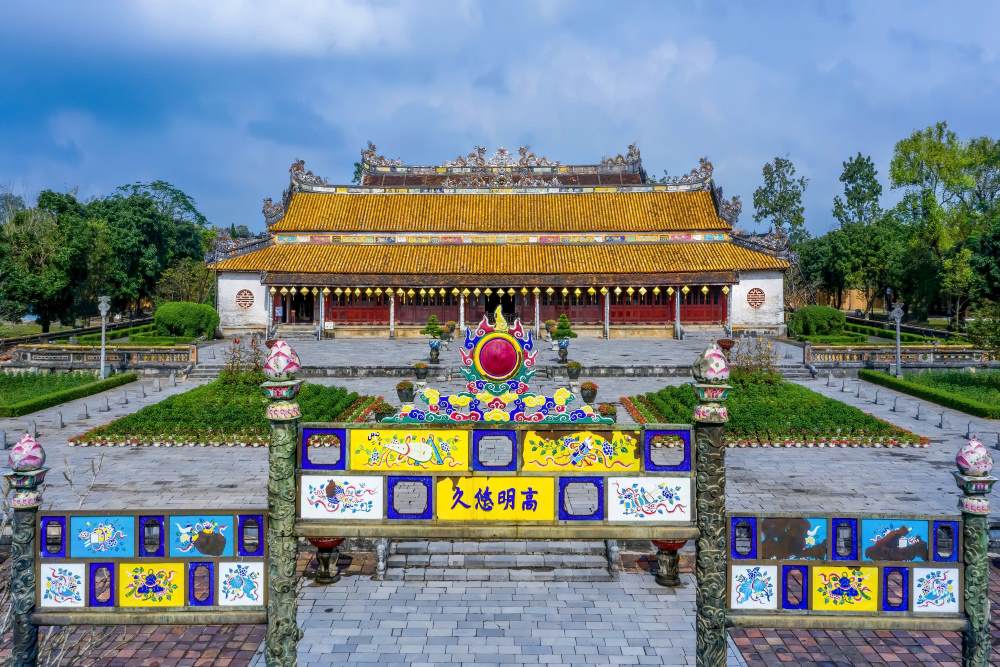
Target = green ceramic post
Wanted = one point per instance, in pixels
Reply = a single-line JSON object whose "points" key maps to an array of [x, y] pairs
{"points": [[24, 479], [711, 372], [973, 478], [283, 634]]}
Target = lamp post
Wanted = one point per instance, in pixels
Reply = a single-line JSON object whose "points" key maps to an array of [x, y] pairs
{"points": [[897, 317], [104, 306]]}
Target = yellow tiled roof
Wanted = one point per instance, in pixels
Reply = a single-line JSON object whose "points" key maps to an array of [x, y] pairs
{"points": [[501, 213], [502, 259]]}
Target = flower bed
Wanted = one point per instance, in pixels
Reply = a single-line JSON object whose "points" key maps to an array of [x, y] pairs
{"points": [[766, 411], [973, 393], [25, 393], [226, 412]]}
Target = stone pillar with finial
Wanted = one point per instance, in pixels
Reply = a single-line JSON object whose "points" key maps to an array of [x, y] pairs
{"points": [[711, 374], [283, 634], [24, 479], [974, 479]]}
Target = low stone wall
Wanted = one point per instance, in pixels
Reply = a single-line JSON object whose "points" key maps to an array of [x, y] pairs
{"points": [[121, 357], [879, 356]]}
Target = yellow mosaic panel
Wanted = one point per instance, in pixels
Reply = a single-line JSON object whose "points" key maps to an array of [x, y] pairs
{"points": [[151, 584], [408, 450], [584, 451], [495, 498], [844, 588]]}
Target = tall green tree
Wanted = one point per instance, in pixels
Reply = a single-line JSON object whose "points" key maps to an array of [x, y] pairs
{"points": [[779, 200], [35, 266], [862, 193]]}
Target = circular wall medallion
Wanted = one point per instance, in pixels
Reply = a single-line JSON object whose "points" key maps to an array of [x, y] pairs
{"points": [[755, 297], [497, 356], [244, 299]]}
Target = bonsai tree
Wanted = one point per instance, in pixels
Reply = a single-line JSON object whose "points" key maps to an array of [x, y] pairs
{"points": [[433, 327], [563, 328]]}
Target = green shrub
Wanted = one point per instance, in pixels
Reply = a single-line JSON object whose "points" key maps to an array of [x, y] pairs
{"points": [[186, 319], [433, 327], [160, 340], [841, 339], [951, 389], [812, 320], [563, 328], [64, 395]]}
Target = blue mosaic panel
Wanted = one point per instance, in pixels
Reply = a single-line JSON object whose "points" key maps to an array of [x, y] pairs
{"points": [[904, 603], [92, 570], [835, 530], [327, 435], [196, 535], [506, 434], [803, 602], [426, 482], [53, 550], [98, 536], [581, 504], [938, 552], [209, 595], [898, 539], [647, 445], [751, 522], [158, 550]]}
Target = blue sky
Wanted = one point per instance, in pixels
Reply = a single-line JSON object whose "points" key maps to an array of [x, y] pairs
{"points": [[219, 97]]}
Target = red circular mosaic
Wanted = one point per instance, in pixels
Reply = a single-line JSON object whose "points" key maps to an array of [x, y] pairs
{"points": [[755, 297], [244, 299], [498, 357]]}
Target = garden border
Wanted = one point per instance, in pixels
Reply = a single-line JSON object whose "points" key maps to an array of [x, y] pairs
{"points": [[938, 396], [65, 395]]}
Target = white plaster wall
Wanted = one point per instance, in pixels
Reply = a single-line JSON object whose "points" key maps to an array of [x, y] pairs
{"points": [[771, 315], [231, 316]]}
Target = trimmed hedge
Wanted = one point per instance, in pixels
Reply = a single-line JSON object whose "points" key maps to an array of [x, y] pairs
{"points": [[65, 395], [95, 338], [933, 394], [147, 339], [186, 319], [816, 320], [839, 339]]}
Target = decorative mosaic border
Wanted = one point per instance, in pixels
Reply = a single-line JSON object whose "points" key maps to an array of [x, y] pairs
{"points": [[876, 564], [181, 559], [529, 473]]}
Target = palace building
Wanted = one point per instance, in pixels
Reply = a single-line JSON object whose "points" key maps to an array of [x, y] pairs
{"points": [[619, 253]]}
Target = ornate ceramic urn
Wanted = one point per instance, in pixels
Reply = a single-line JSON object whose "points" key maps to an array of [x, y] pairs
{"points": [[973, 459], [26, 473], [973, 477], [281, 363]]}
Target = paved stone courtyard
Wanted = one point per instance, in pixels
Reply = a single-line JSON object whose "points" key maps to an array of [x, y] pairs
{"points": [[359, 620]]}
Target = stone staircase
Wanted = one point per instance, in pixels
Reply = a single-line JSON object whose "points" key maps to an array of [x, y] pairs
{"points": [[795, 372], [296, 331], [513, 560]]}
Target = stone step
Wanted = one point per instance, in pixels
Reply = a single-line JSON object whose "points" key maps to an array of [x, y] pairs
{"points": [[500, 574], [497, 561], [515, 547]]}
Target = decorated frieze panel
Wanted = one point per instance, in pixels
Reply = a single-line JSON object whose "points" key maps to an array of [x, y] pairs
{"points": [[866, 565], [425, 238], [152, 560], [518, 447]]}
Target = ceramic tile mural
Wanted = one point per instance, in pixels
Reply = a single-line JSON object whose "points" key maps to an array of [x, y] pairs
{"points": [[753, 587], [794, 538], [894, 539], [341, 497], [241, 584], [935, 590], [62, 585], [495, 498], [102, 536], [198, 535], [401, 450], [844, 588], [649, 499], [585, 451], [146, 584]]}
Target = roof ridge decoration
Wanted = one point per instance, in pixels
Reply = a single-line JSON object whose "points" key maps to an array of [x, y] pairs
{"points": [[631, 158], [299, 179], [498, 361], [501, 158]]}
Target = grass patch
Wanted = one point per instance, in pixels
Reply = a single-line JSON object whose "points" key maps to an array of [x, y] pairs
{"points": [[763, 408], [29, 392], [230, 409], [973, 393], [11, 330], [904, 337]]}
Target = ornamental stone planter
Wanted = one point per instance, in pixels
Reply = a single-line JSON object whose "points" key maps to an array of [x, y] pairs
{"points": [[588, 395], [421, 372], [573, 371], [405, 394], [435, 345]]}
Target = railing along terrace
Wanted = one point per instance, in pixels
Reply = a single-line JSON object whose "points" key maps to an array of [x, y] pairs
{"points": [[860, 356]]}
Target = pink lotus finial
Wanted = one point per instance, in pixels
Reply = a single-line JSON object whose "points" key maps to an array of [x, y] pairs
{"points": [[973, 459], [26, 454], [281, 361]]}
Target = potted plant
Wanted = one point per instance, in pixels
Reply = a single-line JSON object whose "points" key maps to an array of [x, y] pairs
{"points": [[450, 327], [573, 369], [588, 391], [564, 331], [550, 329], [434, 330], [608, 410], [404, 390], [420, 369]]}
